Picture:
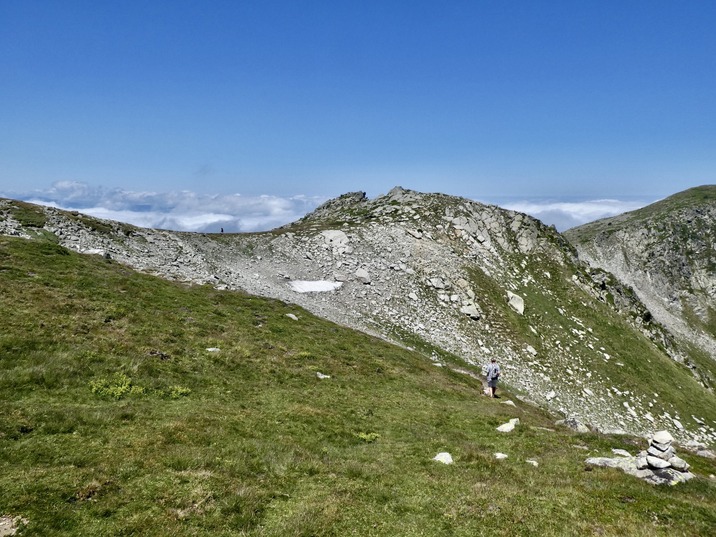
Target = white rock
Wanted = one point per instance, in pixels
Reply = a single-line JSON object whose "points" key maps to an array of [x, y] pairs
{"points": [[677, 463], [471, 311], [516, 302], [666, 455], [510, 403], [663, 437], [532, 462], [322, 376], [443, 457], [656, 462], [550, 395], [335, 237], [213, 349], [641, 463], [292, 316], [621, 452], [509, 426], [362, 275], [500, 456]]}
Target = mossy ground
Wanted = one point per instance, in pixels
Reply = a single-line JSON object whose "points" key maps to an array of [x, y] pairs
{"points": [[248, 441]]}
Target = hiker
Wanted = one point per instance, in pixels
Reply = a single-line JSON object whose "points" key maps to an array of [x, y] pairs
{"points": [[492, 373]]}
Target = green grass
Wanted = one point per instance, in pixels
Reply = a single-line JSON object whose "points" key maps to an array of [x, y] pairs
{"points": [[116, 420], [27, 214]]}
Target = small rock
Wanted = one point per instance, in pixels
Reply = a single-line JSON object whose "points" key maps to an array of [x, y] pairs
{"points": [[362, 276], [665, 455], [663, 437], [573, 423], [621, 452], [510, 403], [677, 463], [500, 456], [532, 462], [656, 462], [550, 395], [443, 457], [322, 376], [516, 302], [213, 349], [509, 426], [641, 463], [292, 316], [471, 311]]}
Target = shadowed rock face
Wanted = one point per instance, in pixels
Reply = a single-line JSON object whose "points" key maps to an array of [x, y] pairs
{"points": [[441, 274], [667, 253]]}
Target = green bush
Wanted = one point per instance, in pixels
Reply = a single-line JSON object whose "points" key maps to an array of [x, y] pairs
{"points": [[117, 388]]}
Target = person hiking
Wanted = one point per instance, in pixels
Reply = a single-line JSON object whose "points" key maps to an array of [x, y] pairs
{"points": [[492, 373]]}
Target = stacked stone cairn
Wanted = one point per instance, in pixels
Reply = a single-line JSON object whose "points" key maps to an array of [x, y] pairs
{"points": [[658, 464], [661, 456]]}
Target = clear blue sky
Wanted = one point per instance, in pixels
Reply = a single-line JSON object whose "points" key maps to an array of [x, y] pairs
{"points": [[483, 99]]}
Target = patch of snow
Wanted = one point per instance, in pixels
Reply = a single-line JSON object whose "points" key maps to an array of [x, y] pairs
{"points": [[319, 286]]}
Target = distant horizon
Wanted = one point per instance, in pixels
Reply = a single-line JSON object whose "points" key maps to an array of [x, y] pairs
{"points": [[235, 213]]}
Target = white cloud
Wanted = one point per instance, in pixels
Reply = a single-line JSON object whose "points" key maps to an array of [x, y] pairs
{"points": [[180, 211], [564, 215], [190, 211]]}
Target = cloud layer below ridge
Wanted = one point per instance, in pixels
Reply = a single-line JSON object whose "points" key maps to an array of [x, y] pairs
{"points": [[189, 211]]}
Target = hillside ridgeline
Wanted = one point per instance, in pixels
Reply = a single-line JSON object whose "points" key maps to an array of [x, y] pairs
{"points": [[444, 276]]}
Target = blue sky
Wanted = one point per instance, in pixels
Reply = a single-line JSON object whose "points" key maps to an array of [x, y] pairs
{"points": [[523, 103]]}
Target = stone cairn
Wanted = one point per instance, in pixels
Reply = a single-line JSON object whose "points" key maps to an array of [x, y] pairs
{"points": [[661, 455], [658, 464]]}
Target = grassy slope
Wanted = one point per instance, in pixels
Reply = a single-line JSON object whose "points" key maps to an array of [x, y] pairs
{"points": [[247, 441]]}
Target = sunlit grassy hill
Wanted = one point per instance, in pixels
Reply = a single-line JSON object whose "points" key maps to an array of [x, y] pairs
{"points": [[130, 405]]}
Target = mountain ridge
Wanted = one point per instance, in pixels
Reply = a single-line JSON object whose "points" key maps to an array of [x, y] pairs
{"points": [[666, 252], [444, 275]]}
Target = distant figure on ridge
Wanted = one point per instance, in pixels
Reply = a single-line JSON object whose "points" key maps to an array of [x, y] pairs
{"points": [[492, 373], [222, 229]]}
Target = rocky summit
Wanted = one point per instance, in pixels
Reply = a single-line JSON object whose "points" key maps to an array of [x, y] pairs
{"points": [[445, 276]]}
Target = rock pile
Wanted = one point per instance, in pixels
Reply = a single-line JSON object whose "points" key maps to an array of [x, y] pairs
{"points": [[661, 455], [658, 464]]}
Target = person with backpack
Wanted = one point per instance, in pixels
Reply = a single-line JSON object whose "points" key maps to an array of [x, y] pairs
{"points": [[492, 373]]}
